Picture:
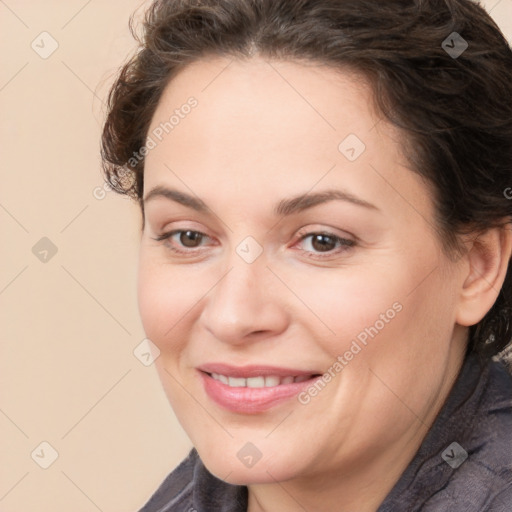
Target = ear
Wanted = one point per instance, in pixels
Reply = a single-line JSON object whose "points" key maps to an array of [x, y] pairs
{"points": [[486, 268]]}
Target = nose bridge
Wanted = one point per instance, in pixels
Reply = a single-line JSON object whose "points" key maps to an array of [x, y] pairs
{"points": [[240, 303], [242, 279]]}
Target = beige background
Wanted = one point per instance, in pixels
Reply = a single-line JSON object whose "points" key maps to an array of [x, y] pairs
{"points": [[70, 325]]}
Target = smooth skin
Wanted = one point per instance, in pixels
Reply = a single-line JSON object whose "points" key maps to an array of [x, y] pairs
{"points": [[267, 131]]}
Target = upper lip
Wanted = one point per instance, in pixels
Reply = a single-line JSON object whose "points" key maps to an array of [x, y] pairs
{"points": [[252, 370]]}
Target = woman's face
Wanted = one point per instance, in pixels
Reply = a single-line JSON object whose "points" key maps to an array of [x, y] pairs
{"points": [[300, 245]]}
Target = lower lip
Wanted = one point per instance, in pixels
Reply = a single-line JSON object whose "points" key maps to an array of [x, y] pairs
{"points": [[251, 400]]}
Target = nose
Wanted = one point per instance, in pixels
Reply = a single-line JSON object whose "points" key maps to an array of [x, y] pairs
{"points": [[245, 305]]}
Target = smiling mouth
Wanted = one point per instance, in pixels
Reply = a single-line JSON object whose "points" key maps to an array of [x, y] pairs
{"points": [[253, 389], [260, 381]]}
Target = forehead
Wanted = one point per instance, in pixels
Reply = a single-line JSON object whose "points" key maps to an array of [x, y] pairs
{"points": [[284, 126], [278, 100]]}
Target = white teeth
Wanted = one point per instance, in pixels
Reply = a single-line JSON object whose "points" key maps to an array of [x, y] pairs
{"points": [[272, 381], [222, 378], [236, 382], [258, 382]]}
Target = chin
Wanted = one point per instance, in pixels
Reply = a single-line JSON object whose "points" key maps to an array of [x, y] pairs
{"points": [[232, 469]]}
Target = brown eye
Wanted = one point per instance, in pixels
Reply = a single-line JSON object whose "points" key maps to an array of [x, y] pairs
{"points": [[190, 238], [323, 243], [180, 240]]}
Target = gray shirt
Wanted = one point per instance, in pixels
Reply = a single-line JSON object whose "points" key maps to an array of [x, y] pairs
{"points": [[463, 465]]}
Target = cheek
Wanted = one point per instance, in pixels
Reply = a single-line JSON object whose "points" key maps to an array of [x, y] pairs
{"points": [[407, 327], [346, 304], [387, 309], [166, 300]]}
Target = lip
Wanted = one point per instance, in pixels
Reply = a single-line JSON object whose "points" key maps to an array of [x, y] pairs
{"points": [[247, 400], [253, 370]]}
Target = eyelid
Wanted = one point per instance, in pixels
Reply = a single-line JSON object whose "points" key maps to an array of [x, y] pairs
{"points": [[168, 234], [343, 243], [319, 230]]}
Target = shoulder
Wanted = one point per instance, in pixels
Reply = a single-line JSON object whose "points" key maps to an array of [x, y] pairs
{"points": [[175, 492], [492, 430], [493, 438], [502, 502], [483, 482], [192, 488], [465, 461]]}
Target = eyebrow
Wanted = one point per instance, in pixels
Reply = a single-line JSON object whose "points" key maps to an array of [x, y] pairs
{"points": [[285, 207]]}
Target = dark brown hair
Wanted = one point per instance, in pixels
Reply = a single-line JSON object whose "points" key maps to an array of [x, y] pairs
{"points": [[455, 111]]}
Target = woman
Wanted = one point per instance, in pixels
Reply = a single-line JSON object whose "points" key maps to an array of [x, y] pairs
{"points": [[324, 258]]}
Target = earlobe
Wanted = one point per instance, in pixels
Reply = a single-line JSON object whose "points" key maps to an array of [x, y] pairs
{"points": [[487, 263]]}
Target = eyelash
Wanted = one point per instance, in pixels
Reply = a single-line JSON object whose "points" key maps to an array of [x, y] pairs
{"points": [[343, 243]]}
